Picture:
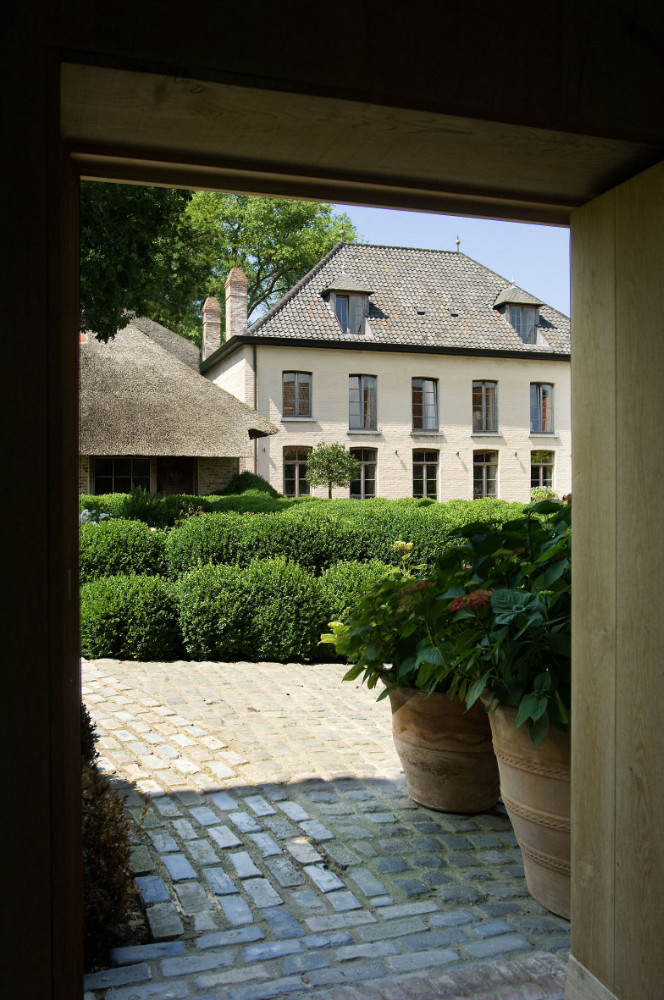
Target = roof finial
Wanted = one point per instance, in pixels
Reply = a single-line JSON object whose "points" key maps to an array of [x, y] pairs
{"points": [[458, 242], [343, 232]]}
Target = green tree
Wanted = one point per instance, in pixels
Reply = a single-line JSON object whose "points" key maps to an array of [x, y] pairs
{"points": [[331, 465], [275, 241], [135, 256], [159, 253]]}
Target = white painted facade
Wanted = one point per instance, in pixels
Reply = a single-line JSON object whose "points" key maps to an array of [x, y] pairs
{"points": [[394, 440]]}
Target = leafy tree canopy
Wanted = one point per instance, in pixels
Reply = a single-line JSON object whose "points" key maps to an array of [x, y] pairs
{"points": [[135, 256], [331, 465], [159, 253]]}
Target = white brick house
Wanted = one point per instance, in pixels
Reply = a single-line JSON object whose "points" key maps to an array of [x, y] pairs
{"points": [[442, 378]]}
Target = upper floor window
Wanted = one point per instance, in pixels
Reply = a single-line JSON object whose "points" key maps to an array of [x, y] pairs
{"points": [[348, 298], [362, 402], [485, 406], [425, 404], [296, 394], [541, 408], [525, 320]]}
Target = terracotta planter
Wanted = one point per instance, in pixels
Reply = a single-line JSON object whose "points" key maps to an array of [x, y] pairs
{"points": [[535, 788], [445, 751]]}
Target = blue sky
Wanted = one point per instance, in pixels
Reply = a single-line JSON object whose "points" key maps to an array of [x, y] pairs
{"points": [[536, 257]]}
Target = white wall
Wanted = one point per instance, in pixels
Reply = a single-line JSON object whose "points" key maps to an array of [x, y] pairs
{"points": [[395, 439]]}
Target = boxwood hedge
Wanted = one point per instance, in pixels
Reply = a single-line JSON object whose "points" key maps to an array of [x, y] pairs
{"points": [[270, 610], [113, 547], [129, 618]]}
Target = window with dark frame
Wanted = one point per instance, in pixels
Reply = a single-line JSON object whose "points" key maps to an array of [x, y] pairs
{"points": [[120, 474], [365, 486], [485, 474], [541, 408], [296, 389], [425, 404], [362, 402], [541, 470], [485, 406], [425, 474], [295, 471]]}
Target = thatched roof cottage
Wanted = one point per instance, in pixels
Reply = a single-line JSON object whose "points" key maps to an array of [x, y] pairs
{"points": [[148, 418]]}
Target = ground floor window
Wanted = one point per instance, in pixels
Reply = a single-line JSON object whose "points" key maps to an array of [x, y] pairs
{"points": [[425, 474], [541, 469], [121, 475], [485, 474], [365, 486], [295, 471]]}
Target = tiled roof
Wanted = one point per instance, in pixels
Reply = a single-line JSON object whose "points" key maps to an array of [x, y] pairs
{"points": [[426, 298]]}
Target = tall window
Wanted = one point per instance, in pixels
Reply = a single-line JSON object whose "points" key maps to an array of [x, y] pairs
{"points": [[295, 471], [485, 474], [362, 402], [121, 475], [296, 394], [524, 319], [425, 474], [350, 312], [541, 469], [485, 406], [425, 404], [541, 408], [365, 486]]}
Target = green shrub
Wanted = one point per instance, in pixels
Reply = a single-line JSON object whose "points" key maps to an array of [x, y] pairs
{"points": [[118, 546], [343, 585], [270, 610], [245, 481], [130, 618], [108, 887], [320, 534], [212, 607], [287, 608]]}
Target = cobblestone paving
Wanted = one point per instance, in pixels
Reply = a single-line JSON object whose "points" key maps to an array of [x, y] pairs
{"points": [[280, 854]]}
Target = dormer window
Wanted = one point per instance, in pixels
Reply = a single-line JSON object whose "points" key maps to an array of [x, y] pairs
{"points": [[525, 320], [349, 300], [521, 310]]}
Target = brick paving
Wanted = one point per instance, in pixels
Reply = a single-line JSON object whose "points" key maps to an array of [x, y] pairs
{"points": [[279, 853]]}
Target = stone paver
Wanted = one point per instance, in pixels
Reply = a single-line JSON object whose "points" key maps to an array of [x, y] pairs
{"points": [[279, 853]]}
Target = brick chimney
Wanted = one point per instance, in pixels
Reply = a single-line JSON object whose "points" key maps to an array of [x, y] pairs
{"points": [[211, 327], [236, 303]]}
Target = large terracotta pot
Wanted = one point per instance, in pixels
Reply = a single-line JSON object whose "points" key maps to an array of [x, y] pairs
{"points": [[535, 788], [445, 750]]}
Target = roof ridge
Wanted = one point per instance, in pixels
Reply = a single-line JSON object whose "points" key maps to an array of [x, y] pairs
{"points": [[280, 303]]}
